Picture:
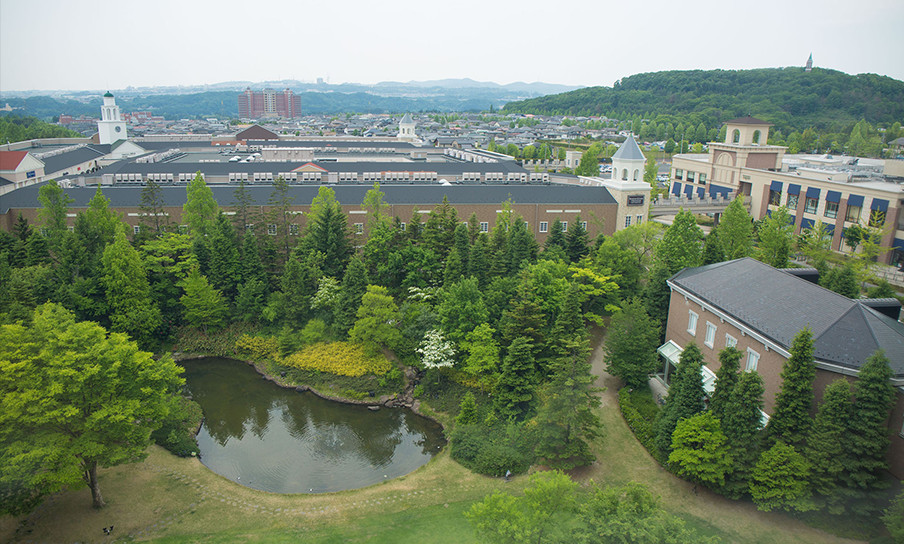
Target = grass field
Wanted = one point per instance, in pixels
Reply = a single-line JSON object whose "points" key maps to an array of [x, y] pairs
{"points": [[173, 500]]}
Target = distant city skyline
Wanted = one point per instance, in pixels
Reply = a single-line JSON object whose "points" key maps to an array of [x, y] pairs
{"points": [[101, 44]]}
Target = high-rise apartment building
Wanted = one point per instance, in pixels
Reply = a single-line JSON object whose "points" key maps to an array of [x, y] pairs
{"points": [[269, 103]]}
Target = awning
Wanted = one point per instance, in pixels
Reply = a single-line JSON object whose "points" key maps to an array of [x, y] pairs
{"points": [[806, 223], [898, 244], [855, 201], [813, 192], [676, 189], [672, 353], [701, 192], [715, 190], [793, 189], [833, 196], [776, 186], [879, 204], [828, 228], [689, 190]]}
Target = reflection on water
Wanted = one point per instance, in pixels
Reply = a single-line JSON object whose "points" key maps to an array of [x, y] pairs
{"points": [[274, 439]]}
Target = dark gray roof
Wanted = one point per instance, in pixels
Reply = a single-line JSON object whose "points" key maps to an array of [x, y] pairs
{"points": [[425, 195], [406, 120], [338, 144], [778, 305], [58, 163], [629, 150]]}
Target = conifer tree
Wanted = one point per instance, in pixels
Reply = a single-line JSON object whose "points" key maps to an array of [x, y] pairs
{"points": [[204, 305], [791, 420], [685, 397], [354, 285], [712, 247], [454, 268], [514, 389], [224, 265], [467, 412], [477, 261], [631, 341], [726, 378], [826, 444], [522, 248], [132, 310], [780, 480], [463, 245], [200, 209], [741, 422], [556, 236], [152, 205]]}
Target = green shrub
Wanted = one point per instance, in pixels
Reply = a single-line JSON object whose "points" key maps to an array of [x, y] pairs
{"points": [[643, 427], [176, 433], [492, 450], [219, 343]]}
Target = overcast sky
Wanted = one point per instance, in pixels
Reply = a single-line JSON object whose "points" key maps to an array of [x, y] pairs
{"points": [[101, 44]]}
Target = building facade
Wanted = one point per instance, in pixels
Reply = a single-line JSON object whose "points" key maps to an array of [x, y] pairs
{"points": [[269, 103]]}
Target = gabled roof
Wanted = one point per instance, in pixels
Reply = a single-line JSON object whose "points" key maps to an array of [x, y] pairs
{"points": [[748, 120], [777, 305], [629, 150], [256, 132], [10, 160], [406, 120]]}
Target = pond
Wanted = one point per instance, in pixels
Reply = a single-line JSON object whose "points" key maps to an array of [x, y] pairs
{"points": [[274, 439]]}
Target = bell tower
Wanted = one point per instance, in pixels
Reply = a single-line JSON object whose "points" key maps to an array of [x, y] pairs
{"points": [[110, 127]]}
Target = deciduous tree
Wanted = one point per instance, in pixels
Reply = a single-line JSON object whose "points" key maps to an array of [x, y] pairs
{"points": [[700, 451]]}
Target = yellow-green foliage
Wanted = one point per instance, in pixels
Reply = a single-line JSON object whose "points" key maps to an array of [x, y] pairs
{"points": [[258, 347], [342, 358]]}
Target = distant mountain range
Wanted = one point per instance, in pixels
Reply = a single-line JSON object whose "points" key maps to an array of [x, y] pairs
{"points": [[221, 99]]}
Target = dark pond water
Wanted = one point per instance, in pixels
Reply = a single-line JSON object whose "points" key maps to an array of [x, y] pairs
{"points": [[273, 439]]}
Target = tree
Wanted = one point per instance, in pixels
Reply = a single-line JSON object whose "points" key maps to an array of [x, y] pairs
{"points": [[436, 351], [462, 309], [736, 230], [52, 214], [589, 165], [894, 518], [200, 209], [541, 515], [482, 353], [152, 206], [700, 450], [741, 424], [681, 244], [774, 237], [631, 343], [128, 294], [514, 389], [650, 171], [791, 420], [354, 285], [726, 378], [246, 214], [73, 398], [467, 411], [826, 449], [281, 214], [780, 480], [556, 236], [685, 396], [576, 241], [375, 207], [204, 306], [327, 232], [378, 320], [224, 267]]}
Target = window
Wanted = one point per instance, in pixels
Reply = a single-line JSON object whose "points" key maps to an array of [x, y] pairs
{"points": [[359, 228], [627, 220], [679, 173], [249, 227], [792, 202], [810, 205], [544, 226], [852, 214], [876, 218], [484, 226], [183, 229], [402, 227], [70, 228], [775, 198], [639, 219], [702, 179], [136, 229], [736, 136], [584, 225], [730, 341], [752, 359], [692, 323], [831, 210], [690, 176], [710, 335], [293, 230], [271, 229], [564, 226]]}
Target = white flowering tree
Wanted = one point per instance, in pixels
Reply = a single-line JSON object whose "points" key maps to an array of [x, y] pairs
{"points": [[436, 351]]}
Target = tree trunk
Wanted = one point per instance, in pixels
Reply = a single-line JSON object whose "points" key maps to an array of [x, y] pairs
{"points": [[96, 498]]}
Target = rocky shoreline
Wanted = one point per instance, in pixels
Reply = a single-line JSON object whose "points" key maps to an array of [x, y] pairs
{"points": [[403, 400]]}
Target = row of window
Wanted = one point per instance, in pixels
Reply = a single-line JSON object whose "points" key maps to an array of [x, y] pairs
{"points": [[691, 176], [272, 228], [753, 358], [830, 211]]}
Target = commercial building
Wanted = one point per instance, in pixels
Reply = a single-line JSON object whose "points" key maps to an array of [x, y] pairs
{"points": [[838, 192], [269, 103], [759, 309]]}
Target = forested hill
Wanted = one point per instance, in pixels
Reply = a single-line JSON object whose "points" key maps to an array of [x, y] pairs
{"points": [[788, 97]]}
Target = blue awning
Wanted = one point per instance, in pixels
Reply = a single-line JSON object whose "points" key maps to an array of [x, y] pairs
{"points": [[806, 223], [898, 244], [855, 200], [689, 190], [828, 228], [776, 186], [715, 190], [793, 189], [701, 192], [676, 189], [813, 192], [833, 196], [879, 204]]}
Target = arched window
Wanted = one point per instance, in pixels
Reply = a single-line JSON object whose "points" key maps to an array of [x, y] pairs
{"points": [[636, 174], [624, 174], [756, 136], [736, 136]]}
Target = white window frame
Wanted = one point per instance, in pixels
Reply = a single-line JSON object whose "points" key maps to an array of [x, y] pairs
{"points": [[484, 226], [271, 229], [639, 219], [564, 226], [402, 226], [359, 228], [544, 226], [584, 225], [753, 359], [135, 229], [730, 341], [293, 229], [627, 221], [710, 339], [692, 322]]}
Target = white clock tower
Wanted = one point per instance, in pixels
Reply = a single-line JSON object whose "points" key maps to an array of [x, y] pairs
{"points": [[111, 127]]}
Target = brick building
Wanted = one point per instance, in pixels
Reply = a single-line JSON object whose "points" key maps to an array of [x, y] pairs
{"points": [[269, 103]]}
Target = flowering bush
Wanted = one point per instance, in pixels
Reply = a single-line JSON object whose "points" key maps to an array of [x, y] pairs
{"points": [[219, 343], [436, 351], [342, 358], [258, 347]]}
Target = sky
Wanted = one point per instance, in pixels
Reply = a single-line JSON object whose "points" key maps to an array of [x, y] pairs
{"points": [[103, 44]]}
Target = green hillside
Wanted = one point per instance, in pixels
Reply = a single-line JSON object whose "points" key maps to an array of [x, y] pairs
{"points": [[790, 98]]}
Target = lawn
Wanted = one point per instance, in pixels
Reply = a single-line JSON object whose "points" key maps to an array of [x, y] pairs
{"points": [[174, 500]]}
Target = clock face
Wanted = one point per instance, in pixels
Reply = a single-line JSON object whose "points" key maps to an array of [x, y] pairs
{"points": [[118, 129]]}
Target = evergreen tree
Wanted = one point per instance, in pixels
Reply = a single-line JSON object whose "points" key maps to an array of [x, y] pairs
{"points": [[514, 390], [327, 232], [467, 412], [522, 248], [556, 236], [297, 286], [463, 245], [712, 247], [780, 480], [52, 213], [281, 215], [37, 251], [439, 231], [354, 285], [726, 378], [224, 265], [246, 214], [791, 420], [204, 305], [377, 321], [477, 261], [524, 318], [631, 342], [681, 245], [252, 266], [461, 309], [576, 241], [200, 209], [685, 397], [152, 206], [741, 424], [454, 268], [826, 449], [132, 310]]}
